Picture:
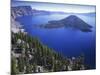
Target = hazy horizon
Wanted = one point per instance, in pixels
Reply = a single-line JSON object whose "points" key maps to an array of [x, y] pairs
{"points": [[68, 8]]}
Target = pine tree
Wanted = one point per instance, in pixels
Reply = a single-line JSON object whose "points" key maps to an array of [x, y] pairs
{"points": [[21, 64], [14, 69]]}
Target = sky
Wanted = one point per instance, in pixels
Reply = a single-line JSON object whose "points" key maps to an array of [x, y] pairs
{"points": [[89, 2], [69, 8]]}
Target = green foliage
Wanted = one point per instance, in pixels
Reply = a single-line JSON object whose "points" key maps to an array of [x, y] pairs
{"points": [[14, 69], [41, 55], [21, 64], [28, 68]]}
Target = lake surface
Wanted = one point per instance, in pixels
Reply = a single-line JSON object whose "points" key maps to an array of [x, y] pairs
{"points": [[70, 42]]}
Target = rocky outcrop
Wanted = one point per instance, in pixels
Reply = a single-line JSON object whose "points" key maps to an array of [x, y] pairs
{"points": [[15, 26], [21, 11]]}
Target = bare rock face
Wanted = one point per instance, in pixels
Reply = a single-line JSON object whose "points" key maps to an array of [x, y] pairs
{"points": [[21, 11], [15, 26]]}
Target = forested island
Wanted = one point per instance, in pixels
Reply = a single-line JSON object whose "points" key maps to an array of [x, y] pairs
{"points": [[71, 21]]}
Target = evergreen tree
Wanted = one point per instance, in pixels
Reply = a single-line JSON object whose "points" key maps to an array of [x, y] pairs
{"points": [[14, 69], [21, 64]]}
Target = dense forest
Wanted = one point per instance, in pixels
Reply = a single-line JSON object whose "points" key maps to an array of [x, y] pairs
{"points": [[29, 55]]}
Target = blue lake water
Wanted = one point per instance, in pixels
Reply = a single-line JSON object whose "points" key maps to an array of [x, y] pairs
{"points": [[70, 42]]}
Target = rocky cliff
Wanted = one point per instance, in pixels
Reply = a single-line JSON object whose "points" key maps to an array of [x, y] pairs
{"points": [[20, 11]]}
